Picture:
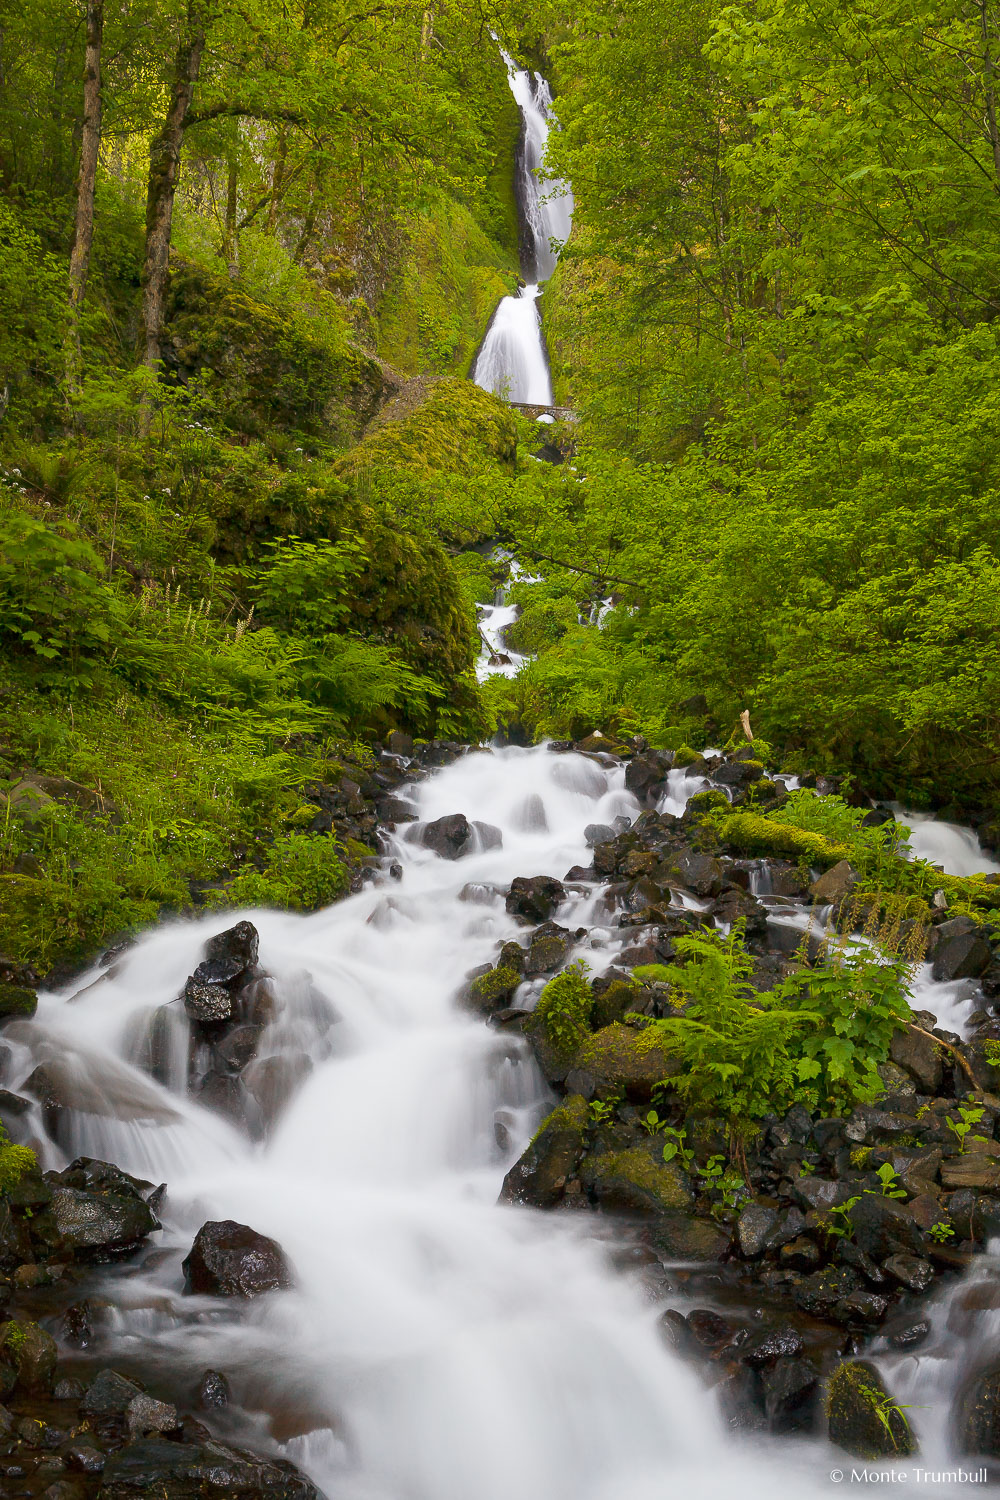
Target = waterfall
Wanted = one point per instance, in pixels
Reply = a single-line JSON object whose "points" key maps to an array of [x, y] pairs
{"points": [[512, 361]]}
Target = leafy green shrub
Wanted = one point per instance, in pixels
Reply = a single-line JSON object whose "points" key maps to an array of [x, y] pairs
{"points": [[305, 587], [302, 872], [51, 601], [817, 1038]]}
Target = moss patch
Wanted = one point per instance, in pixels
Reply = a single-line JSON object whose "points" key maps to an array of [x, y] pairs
{"points": [[619, 1056], [863, 1418], [752, 834], [632, 1182]]}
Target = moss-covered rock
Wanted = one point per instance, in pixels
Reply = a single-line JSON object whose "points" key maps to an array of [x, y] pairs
{"points": [[753, 834], [17, 1000], [539, 1178], [632, 1181], [560, 1022], [863, 1419], [492, 991], [614, 1002], [27, 1358], [266, 368], [438, 428], [618, 1056]]}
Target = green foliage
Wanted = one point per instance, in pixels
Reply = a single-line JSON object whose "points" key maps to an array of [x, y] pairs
{"points": [[941, 1232], [52, 604], [890, 1183], [562, 1014], [838, 1219], [15, 1162], [676, 1147], [301, 872], [817, 1038], [969, 1115]]}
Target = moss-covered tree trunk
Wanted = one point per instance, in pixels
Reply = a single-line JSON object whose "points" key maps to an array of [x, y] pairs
{"points": [[164, 172], [90, 149]]}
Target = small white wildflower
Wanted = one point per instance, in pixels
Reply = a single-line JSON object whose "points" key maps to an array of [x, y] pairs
{"points": [[17, 472], [166, 492]]}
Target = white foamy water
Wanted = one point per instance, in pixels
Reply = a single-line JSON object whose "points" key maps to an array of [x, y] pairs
{"points": [[955, 848]]}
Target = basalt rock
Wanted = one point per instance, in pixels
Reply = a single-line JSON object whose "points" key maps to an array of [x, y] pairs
{"points": [[862, 1418], [99, 1213], [540, 1176], [450, 837], [632, 1182], [534, 898], [232, 1260], [493, 990], [188, 1471], [27, 1358], [976, 1417], [961, 950]]}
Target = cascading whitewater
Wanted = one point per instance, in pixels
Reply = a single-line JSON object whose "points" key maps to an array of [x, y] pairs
{"points": [[436, 1346], [512, 361]]}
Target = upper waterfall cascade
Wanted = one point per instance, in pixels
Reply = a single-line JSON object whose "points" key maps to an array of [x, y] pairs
{"points": [[512, 361]]}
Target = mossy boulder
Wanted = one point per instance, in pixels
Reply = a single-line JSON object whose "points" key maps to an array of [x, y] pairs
{"points": [[27, 1358], [560, 1022], [751, 833], [862, 1417], [618, 1056], [492, 991], [16, 1000], [439, 427], [539, 1178], [632, 1181], [614, 1002], [266, 368]]}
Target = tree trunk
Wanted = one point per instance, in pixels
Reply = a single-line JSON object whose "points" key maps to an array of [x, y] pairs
{"points": [[989, 79], [164, 170], [90, 148], [230, 237]]}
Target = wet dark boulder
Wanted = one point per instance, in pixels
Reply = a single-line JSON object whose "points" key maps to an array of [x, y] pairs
{"points": [[539, 1178], [919, 1056], [237, 1048], [645, 773], [862, 1418], [189, 1471], [700, 873], [450, 837], [884, 1227], [232, 1260], [549, 948], [791, 1394], [238, 948], [976, 1415], [533, 898], [210, 1004], [27, 1358], [961, 950], [212, 1392], [98, 1212]]}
